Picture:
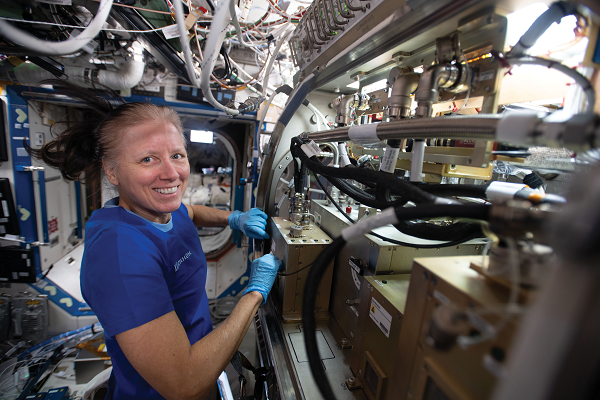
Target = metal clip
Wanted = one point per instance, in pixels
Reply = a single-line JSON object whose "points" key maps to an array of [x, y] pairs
{"points": [[29, 168]]}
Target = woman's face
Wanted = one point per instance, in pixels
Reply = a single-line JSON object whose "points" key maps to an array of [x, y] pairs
{"points": [[151, 170]]}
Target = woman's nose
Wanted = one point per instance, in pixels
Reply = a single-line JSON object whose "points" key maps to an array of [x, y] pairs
{"points": [[168, 171]]}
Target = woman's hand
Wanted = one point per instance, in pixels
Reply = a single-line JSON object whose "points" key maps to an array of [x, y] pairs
{"points": [[252, 223], [262, 275]]}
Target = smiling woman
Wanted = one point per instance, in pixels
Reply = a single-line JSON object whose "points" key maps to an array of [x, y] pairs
{"points": [[144, 271]]}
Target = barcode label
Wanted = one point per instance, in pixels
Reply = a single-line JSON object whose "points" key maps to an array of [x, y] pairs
{"points": [[311, 149], [381, 317]]}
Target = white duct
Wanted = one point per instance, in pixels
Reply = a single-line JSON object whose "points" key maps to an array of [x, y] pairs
{"points": [[129, 75]]}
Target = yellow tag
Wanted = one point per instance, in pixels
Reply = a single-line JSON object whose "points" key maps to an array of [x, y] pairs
{"points": [[32, 302]]}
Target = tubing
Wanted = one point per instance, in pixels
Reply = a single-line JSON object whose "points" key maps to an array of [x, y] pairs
{"points": [[185, 44], [455, 127], [581, 80], [214, 41], [129, 75], [69, 46], [272, 61], [416, 164], [554, 14]]}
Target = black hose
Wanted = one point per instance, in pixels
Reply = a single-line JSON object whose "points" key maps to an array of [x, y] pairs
{"points": [[315, 275], [405, 190], [475, 191], [394, 241]]}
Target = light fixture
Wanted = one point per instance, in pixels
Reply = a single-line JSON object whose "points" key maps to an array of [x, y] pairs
{"points": [[201, 136]]}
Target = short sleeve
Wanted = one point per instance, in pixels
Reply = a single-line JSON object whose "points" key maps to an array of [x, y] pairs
{"points": [[122, 279]]}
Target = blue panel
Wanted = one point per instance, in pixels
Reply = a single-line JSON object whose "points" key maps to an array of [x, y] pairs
{"points": [[43, 205], [60, 297], [195, 92], [219, 96]]}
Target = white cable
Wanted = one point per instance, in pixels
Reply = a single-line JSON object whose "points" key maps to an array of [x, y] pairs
{"points": [[79, 27], [581, 80], [71, 45], [272, 61], [185, 44], [387, 216], [236, 24], [266, 109], [211, 51]]}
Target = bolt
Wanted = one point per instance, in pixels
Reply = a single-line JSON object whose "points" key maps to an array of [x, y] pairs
{"points": [[487, 88], [344, 341], [351, 380]]}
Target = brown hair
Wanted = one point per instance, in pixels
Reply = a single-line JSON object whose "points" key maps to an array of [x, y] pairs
{"points": [[78, 151]]}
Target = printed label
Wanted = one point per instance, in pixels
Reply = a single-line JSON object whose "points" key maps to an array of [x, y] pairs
{"points": [[441, 297], [311, 149], [5, 208], [52, 225], [171, 31], [487, 75], [59, 2], [32, 302], [379, 283], [382, 318], [355, 311]]}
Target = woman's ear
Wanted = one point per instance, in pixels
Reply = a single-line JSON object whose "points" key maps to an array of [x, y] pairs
{"points": [[110, 170]]}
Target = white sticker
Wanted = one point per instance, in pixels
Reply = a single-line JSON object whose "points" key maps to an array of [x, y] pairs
{"points": [[355, 311], [382, 318], [26, 125], [365, 135], [59, 2], [379, 283], [311, 149], [171, 31], [388, 163], [355, 278], [487, 75], [5, 208], [441, 297], [18, 126], [268, 119], [317, 218]]}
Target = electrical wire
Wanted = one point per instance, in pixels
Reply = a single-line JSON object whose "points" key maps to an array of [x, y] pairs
{"points": [[295, 272], [389, 240]]}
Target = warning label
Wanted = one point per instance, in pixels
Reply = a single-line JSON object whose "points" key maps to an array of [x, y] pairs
{"points": [[382, 318]]}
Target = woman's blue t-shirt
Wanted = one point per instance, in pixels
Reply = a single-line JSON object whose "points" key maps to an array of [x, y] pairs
{"points": [[134, 271]]}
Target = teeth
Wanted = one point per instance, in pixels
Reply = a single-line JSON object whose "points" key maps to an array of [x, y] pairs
{"points": [[167, 191]]}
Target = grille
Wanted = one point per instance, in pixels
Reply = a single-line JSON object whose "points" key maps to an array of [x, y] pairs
{"points": [[371, 379]]}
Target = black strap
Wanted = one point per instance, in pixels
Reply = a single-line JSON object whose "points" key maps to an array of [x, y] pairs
{"points": [[239, 361]]}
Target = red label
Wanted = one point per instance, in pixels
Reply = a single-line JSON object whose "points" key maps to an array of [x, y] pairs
{"points": [[53, 225]]}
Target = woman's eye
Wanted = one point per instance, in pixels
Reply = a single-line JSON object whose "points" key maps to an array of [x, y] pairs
{"points": [[178, 156], [146, 159]]}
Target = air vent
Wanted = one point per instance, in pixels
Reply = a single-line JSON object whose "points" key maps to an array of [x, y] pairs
{"points": [[372, 378]]}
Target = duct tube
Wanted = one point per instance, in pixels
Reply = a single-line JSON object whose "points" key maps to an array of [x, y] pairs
{"points": [[126, 77], [482, 126], [404, 82]]}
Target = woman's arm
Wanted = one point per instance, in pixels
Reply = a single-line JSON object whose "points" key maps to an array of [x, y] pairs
{"points": [[161, 353], [207, 217]]}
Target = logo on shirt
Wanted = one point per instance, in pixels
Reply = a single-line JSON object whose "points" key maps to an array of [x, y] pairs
{"points": [[182, 259]]}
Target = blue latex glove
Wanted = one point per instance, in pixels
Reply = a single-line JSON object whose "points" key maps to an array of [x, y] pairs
{"points": [[252, 223], [262, 275]]}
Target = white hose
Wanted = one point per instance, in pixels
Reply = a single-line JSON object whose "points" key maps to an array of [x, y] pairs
{"points": [[272, 61], [236, 24], [211, 51], [69, 46], [266, 109], [129, 75], [416, 164], [581, 80], [185, 44], [319, 115]]}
